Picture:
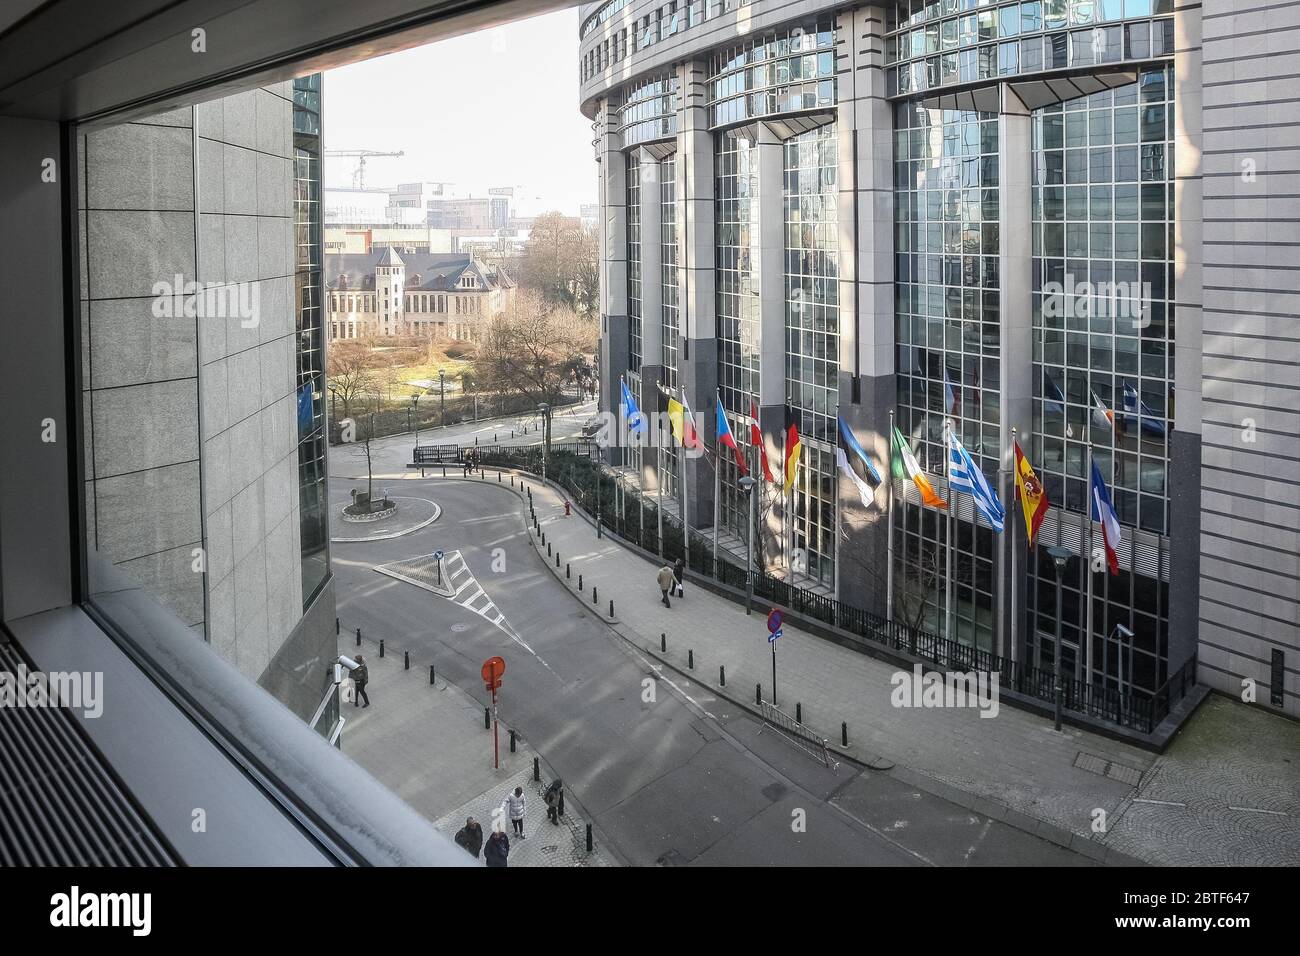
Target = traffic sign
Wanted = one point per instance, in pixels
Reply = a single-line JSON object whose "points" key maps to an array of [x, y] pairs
{"points": [[493, 670], [774, 618], [437, 555], [771, 638]]}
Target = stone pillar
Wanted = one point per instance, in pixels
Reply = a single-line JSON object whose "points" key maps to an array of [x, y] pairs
{"points": [[697, 356], [770, 278], [652, 323], [613, 263], [865, 129], [1015, 270]]}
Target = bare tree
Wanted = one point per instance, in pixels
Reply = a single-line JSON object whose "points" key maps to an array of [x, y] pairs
{"points": [[534, 350], [351, 374], [560, 263]]}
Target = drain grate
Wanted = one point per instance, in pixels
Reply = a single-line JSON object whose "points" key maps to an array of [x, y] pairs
{"points": [[1108, 768]]}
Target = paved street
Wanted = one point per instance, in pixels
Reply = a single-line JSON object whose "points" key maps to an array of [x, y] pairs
{"points": [[670, 772]]}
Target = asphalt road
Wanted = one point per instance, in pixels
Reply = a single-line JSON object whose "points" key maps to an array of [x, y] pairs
{"points": [[669, 773]]}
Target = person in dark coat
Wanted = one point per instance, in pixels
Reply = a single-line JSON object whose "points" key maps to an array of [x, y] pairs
{"points": [[470, 837], [360, 677], [679, 574], [497, 849]]}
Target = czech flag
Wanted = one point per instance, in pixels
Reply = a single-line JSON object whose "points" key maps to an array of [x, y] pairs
{"points": [[1104, 511], [1033, 497], [905, 464], [725, 437], [756, 439]]}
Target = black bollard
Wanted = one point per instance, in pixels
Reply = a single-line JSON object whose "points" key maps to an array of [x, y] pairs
{"points": [[663, 642], [548, 547], [336, 626], [722, 676], [381, 647], [758, 694], [579, 582], [690, 658], [498, 477], [568, 576], [844, 734], [430, 675], [537, 769], [406, 664], [358, 637], [595, 599], [487, 719], [560, 807], [798, 713], [590, 845], [611, 608], [557, 560], [512, 741]]}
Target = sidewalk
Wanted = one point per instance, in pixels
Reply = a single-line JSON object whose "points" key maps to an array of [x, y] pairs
{"points": [[1239, 764], [427, 744]]}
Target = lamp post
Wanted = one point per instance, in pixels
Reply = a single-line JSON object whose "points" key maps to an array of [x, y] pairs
{"points": [[442, 398], [545, 411], [747, 484], [1060, 557]]}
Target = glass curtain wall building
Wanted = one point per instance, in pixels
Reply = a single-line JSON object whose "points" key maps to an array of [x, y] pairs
{"points": [[986, 214]]}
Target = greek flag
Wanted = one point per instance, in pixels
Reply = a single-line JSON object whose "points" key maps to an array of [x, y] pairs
{"points": [[964, 475]]}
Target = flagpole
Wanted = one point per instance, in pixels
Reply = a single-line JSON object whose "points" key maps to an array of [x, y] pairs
{"points": [[1087, 516], [838, 511], [659, 479], [1015, 585], [952, 508], [717, 480], [889, 532], [686, 524]]}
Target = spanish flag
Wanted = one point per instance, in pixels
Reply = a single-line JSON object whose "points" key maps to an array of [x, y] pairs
{"points": [[905, 463], [1033, 497], [793, 450]]}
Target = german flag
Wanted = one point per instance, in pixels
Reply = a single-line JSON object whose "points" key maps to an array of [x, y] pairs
{"points": [[793, 449]]}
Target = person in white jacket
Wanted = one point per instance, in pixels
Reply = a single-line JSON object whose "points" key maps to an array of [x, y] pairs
{"points": [[514, 804]]}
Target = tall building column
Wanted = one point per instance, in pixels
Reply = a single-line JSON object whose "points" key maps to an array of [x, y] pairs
{"points": [[768, 248], [613, 265], [1015, 270], [652, 324], [865, 124], [697, 354]]}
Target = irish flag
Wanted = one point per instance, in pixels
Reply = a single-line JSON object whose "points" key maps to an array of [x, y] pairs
{"points": [[905, 463]]}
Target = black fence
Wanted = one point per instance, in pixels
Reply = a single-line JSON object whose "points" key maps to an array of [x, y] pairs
{"points": [[430, 412], [575, 468]]}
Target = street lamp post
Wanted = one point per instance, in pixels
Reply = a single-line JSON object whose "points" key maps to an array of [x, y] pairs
{"points": [[415, 407], [546, 434], [747, 484], [1060, 557], [442, 398]]}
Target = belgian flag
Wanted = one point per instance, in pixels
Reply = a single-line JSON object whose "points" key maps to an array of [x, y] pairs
{"points": [[793, 448]]}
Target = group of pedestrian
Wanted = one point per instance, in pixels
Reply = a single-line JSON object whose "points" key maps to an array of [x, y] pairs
{"points": [[472, 462], [496, 851], [670, 579]]}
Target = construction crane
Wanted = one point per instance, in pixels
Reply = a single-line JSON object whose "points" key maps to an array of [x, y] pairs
{"points": [[359, 174]]}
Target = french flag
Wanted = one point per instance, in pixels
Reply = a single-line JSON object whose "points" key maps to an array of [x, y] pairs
{"points": [[1104, 511]]}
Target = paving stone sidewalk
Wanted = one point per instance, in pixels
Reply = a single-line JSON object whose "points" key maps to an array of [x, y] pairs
{"points": [[427, 744], [1013, 767]]}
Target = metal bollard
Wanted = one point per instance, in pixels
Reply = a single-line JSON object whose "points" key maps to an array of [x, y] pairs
{"points": [[358, 637], [611, 608], [560, 808], [430, 675], [381, 647], [498, 477], [590, 845], [844, 734], [487, 719], [798, 713], [336, 626], [579, 582], [537, 769], [663, 642], [568, 576], [557, 559], [722, 676], [758, 694], [548, 547], [690, 658], [512, 741], [406, 664], [595, 598]]}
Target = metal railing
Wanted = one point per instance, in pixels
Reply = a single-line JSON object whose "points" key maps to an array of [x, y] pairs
{"points": [[574, 466], [799, 734]]}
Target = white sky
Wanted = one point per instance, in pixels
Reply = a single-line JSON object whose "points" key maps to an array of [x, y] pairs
{"points": [[494, 108]]}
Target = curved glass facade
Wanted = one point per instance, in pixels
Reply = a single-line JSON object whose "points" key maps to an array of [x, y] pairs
{"points": [[788, 72], [936, 43], [649, 111]]}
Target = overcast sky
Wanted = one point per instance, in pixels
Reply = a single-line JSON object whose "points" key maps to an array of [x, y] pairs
{"points": [[494, 108]]}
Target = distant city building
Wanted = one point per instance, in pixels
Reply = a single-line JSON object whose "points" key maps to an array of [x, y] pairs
{"points": [[435, 295]]}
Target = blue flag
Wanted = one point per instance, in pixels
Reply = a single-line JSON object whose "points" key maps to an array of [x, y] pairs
{"points": [[965, 475], [635, 420]]}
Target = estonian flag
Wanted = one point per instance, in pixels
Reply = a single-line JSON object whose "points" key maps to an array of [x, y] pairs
{"points": [[853, 462]]}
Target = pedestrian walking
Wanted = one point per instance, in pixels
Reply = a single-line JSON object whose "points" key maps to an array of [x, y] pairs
{"points": [[497, 849], [553, 796], [470, 837], [360, 677], [515, 803], [666, 581], [679, 575]]}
